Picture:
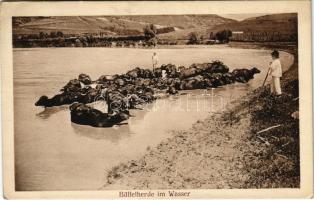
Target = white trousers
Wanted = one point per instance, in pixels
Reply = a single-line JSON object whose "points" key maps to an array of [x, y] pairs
{"points": [[154, 66], [275, 85]]}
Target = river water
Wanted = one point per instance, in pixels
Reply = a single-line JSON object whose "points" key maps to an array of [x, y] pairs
{"points": [[51, 153]]}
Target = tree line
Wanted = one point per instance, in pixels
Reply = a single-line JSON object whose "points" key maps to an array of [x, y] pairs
{"points": [[148, 38], [222, 36]]}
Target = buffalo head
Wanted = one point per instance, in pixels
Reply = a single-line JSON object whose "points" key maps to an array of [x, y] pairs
{"points": [[255, 70], [42, 101]]}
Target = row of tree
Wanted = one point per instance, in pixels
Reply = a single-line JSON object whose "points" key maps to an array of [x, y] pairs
{"points": [[43, 35], [267, 36], [150, 32], [221, 36], [149, 35]]}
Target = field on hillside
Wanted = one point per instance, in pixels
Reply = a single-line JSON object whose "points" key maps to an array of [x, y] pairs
{"points": [[183, 25], [114, 25]]}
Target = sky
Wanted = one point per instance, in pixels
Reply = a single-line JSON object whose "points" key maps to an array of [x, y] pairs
{"points": [[240, 17]]}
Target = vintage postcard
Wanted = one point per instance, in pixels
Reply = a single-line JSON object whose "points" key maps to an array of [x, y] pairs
{"points": [[192, 99]]}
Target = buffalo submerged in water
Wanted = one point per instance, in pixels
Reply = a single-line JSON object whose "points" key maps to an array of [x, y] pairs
{"points": [[138, 86]]}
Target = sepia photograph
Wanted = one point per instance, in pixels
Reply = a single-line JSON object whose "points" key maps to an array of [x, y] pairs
{"points": [[159, 105]]}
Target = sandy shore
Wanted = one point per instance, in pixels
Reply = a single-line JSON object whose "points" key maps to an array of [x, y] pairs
{"points": [[226, 150]]}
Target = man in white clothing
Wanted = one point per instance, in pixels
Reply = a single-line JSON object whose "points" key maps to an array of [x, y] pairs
{"points": [[155, 61], [275, 72]]}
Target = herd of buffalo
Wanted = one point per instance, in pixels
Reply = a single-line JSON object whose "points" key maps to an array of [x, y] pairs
{"points": [[138, 86]]}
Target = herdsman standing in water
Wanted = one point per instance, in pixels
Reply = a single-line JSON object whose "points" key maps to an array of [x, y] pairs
{"points": [[275, 72], [155, 61]]}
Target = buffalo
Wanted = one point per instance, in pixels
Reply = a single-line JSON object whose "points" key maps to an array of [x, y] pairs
{"points": [[244, 75], [86, 115], [136, 87]]}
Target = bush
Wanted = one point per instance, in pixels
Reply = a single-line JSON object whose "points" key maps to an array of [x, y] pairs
{"points": [[223, 36], [150, 31], [53, 34], [193, 38]]}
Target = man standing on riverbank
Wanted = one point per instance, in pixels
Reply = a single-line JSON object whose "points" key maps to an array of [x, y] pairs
{"points": [[155, 61], [276, 72]]}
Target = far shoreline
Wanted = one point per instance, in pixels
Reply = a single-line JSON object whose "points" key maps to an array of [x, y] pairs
{"points": [[234, 44]]}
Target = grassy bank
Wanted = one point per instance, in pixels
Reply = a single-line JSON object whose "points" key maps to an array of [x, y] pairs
{"points": [[253, 144], [277, 163]]}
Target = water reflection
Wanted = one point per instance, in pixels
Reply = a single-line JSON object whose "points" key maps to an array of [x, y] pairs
{"points": [[114, 134], [47, 112]]}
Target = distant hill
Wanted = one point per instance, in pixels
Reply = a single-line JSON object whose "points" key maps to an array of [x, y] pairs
{"points": [[180, 26], [283, 23], [75, 25], [114, 25], [182, 21]]}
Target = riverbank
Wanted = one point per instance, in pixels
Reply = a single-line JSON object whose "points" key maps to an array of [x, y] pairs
{"points": [[229, 149]]}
